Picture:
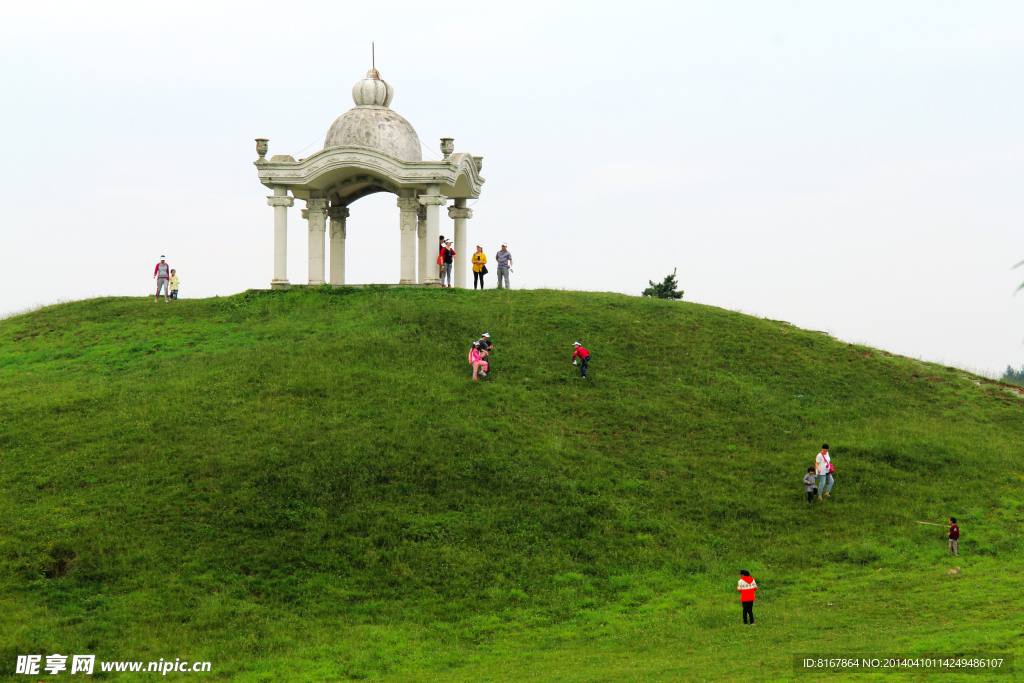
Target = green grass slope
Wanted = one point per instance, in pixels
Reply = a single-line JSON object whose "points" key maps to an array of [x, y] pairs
{"points": [[306, 486]]}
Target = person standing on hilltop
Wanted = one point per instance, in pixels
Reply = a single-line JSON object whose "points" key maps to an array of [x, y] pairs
{"points": [[440, 256], [747, 588], [448, 257], [162, 273], [504, 261], [479, 267], [824, 469]]}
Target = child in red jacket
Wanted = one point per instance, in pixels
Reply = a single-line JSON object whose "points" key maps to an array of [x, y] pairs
{"points": [[583, 355], [747, 587]]}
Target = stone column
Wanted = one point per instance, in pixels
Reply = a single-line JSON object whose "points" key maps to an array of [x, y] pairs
{"points": [[316, 213], [408, 207], [280, 201], [433, 200], [338, 215], [421, 229], [459, 213]]}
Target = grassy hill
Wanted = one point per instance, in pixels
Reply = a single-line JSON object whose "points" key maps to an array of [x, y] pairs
{"points": [[306, 486]]}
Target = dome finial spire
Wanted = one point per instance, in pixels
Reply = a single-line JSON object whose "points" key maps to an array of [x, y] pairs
{"points": [[372, 91], [373, 55]]}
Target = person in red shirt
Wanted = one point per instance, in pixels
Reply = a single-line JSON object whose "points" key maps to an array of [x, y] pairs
{"points": [[584, 357], [747, 587], [954, 537]]}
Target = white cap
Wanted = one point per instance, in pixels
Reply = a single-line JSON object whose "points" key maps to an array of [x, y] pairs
{"points": [[162, 256], [485, 334], [504, 244], [577, 344]]}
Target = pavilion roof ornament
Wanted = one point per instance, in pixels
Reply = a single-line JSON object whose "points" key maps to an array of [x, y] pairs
{"points": [[373, 91]]}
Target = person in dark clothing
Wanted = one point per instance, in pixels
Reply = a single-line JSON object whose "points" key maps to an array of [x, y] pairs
{"points": [[954, 537], [447, 257], [440, 257], [583, 355], [486, 345]]}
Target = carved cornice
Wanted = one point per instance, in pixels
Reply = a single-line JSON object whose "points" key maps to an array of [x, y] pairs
{"points": [[338, 213], [386, 168], [429, 199], [280, 201], [410, 204], [459, 212]]}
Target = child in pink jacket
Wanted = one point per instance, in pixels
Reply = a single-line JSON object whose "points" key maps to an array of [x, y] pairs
{"points": [[477, 359]]}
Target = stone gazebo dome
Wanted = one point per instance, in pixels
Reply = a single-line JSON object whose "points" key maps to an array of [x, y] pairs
{"points": [[371, 123]]}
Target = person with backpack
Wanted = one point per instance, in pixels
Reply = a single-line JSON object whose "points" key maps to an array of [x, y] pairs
{"points": [[747, 588], [824, 469], [583, 355]]}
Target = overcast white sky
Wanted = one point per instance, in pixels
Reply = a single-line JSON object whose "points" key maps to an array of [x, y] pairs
{"points": [[854, 167]]}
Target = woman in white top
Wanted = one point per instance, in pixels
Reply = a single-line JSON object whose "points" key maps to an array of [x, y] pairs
{"points": [[822, 465]]}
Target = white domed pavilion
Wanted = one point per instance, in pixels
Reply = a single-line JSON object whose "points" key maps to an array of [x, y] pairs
{"points": [[371, 148]]}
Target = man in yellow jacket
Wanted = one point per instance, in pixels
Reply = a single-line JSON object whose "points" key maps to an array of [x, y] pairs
{"points": [[479, 270]]}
